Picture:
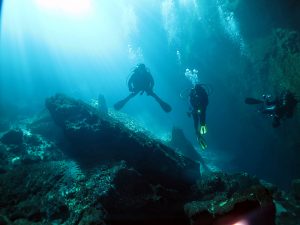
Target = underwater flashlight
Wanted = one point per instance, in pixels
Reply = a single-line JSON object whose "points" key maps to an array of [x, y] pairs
{"points": [[242, 222]]}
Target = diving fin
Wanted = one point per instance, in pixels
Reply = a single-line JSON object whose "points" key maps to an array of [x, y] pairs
{"points": [[120, 104], [253, 101], [202, 142], [165, 106]]}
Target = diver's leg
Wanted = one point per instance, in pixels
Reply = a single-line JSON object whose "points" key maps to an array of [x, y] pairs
{"points": [[200, 138], [165, 106], [120, 104], [202, 142], [196, 121]]}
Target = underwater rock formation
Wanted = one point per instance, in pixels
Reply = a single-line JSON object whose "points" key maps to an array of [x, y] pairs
{"points": [[12, 137], [18, 147], [287, 205], [279, 14], [102, 106], [276, 57], [59, 192], [43, 125], [83, 127], [228, 199], [136, 180], [183, 146], [96, 139], [45, 192]]}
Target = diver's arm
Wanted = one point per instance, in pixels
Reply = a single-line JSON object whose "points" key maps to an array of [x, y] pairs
{"points": [[151, 82], [130, 86]]}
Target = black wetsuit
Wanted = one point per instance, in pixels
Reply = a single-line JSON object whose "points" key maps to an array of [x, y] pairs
{"points": [[141, 81], [282, 107], [199, 102]]}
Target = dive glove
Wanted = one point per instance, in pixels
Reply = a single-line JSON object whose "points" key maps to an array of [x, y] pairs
{"points": [[202, 142]]}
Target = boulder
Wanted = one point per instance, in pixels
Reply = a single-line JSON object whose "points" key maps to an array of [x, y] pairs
{"points": [[33, 148], [230, 199], [181, 144], [12, 137], [102, 106], [60, 192], [94, 139]]}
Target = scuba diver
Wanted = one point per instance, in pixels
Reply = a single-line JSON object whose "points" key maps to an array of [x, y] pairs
{"points": [[142, 81], [282, 107], [199, 101]]}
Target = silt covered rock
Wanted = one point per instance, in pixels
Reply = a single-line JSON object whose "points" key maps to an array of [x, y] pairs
{"points": [[94, 139], [229, 199], [12, 137]]}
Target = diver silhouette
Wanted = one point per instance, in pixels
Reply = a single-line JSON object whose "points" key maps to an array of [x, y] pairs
{"points": [[282, 107], [199, 101], [142, 81]]}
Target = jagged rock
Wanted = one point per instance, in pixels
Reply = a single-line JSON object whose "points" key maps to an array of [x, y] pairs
{"points": [[102, 106], [211, 183], [252, 203], [287, 208], [286, 42], [92, 216], [60, 192], [273, 189], [12, 137], [219, 182], [34, 148], [43, 124], [137, 180], [133, 200], [224, 198], [181, 144], [37, 148], [54, 192], [95, 139]]}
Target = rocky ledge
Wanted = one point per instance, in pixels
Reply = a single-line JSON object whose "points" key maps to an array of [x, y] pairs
{"points": [[103, 170]]}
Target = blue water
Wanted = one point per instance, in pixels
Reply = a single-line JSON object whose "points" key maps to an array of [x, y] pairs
{"points": [[88, 47]]}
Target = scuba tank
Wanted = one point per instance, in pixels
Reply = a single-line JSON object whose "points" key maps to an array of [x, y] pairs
{"points": [[185, 93]]}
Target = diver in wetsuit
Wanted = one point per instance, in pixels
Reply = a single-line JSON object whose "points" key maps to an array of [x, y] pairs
{"points": [[282, 107], [199, 101], [141, 81]]}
